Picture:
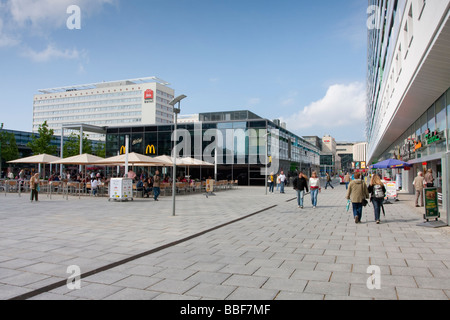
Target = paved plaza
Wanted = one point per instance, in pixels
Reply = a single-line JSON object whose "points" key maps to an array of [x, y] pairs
{"points": [[238, 245]]}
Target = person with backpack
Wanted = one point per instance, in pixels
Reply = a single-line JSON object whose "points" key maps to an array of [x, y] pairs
{"points": [[377, 192]]}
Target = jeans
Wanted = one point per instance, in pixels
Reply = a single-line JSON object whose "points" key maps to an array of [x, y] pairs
{"points": [[156, 192], [377, 203], [357, 210], [300, 196], [282, 187], [314, 193], [271, 187], [346, 185], [329, 184]]}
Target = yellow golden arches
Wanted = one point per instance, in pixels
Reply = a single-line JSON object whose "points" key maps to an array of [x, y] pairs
{"points": [[150, 149]]}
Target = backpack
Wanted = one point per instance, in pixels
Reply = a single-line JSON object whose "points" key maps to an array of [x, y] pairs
{"points": [[378, 191]]}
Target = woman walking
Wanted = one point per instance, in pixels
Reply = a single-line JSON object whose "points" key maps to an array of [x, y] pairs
{"points": [[300, 185], [377, 191], [271, 182], [357, 192], [35, 185], [314, 185]]}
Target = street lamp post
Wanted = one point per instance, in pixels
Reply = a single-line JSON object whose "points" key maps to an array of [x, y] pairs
{"points": [[176, 111]]}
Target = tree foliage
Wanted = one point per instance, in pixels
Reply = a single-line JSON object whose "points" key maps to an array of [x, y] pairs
{"points": [[72, 146], [42, 143], [9, 149]]}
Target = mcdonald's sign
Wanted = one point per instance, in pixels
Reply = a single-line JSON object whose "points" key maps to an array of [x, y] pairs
{"points": [[150, 149], [123, 150]]}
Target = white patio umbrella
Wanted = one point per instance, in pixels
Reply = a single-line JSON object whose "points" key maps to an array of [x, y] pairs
{"points": [[37, 159], [133, 159]]}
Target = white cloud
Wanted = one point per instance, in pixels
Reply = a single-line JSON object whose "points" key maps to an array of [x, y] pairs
{"points": [[344, 105], [254, 101], [5, 39], [37, 19], [51, 52], [48, 13]]}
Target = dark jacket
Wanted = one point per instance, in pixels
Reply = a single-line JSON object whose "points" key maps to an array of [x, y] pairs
{"points": [[300, 184]]}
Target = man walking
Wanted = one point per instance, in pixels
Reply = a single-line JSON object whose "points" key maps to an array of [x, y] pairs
{"points": [[282, 181], [328, 182], [418, 185], [300, 185]]}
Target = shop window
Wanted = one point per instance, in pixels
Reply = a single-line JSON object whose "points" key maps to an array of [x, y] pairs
{"points": [[431, 119]]}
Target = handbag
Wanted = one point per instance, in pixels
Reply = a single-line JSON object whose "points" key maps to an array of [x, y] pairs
{"points": [[364, 202]]}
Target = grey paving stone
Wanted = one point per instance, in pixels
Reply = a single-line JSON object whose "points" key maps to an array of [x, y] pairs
{"points": [[420, 294], [132, 294], [245, 281], [243, 293], [211, 291], [331, 288], [173, 286]]}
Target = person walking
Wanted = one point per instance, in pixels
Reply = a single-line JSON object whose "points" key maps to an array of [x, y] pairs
{"points": [[429, 180], [314, 185], [157, 185], [300, 185], [357, 192], [271, 182], [282, 181], [347, 180], [328, 182], [418, 184], [35, 186], [377, 191]]}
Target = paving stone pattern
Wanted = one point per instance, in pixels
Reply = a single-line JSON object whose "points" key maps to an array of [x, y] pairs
{"points": [[283, 253]]}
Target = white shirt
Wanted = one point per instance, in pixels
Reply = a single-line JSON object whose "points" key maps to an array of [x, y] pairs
{"points": [[95, 184], [282, 178], [314, 182]]}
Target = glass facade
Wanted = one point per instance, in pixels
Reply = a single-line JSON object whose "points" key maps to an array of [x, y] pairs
{"points": [[242, 145], [427, 137]]}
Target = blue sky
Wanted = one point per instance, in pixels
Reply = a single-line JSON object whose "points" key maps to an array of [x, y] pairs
{"points": [[301, 61]]}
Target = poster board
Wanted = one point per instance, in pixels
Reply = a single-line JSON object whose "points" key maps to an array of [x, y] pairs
{"points": [[431, 204], [121, 189], [391, 189]]}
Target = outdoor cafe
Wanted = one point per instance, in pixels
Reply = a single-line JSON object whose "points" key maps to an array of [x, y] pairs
{"points": [[69, 187]]}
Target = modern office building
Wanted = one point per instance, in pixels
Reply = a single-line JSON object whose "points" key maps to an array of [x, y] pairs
{"points": [[408, 81], [143, 101], [242, 147], [345, 151]]}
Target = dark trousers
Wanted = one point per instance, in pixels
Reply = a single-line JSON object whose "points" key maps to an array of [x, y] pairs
{"points": [[34, 194]]}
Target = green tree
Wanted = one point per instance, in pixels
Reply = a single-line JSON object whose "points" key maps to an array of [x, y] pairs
{"points": [[72, 146], [42, 143], [9, 149], [100, 150]]}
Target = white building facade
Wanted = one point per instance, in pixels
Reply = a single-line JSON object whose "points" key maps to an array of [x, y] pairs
{"points": [[408, 81], [143, 101]]}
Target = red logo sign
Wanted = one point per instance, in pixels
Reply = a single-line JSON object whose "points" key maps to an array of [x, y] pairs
{"points": [[148, 95]]}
